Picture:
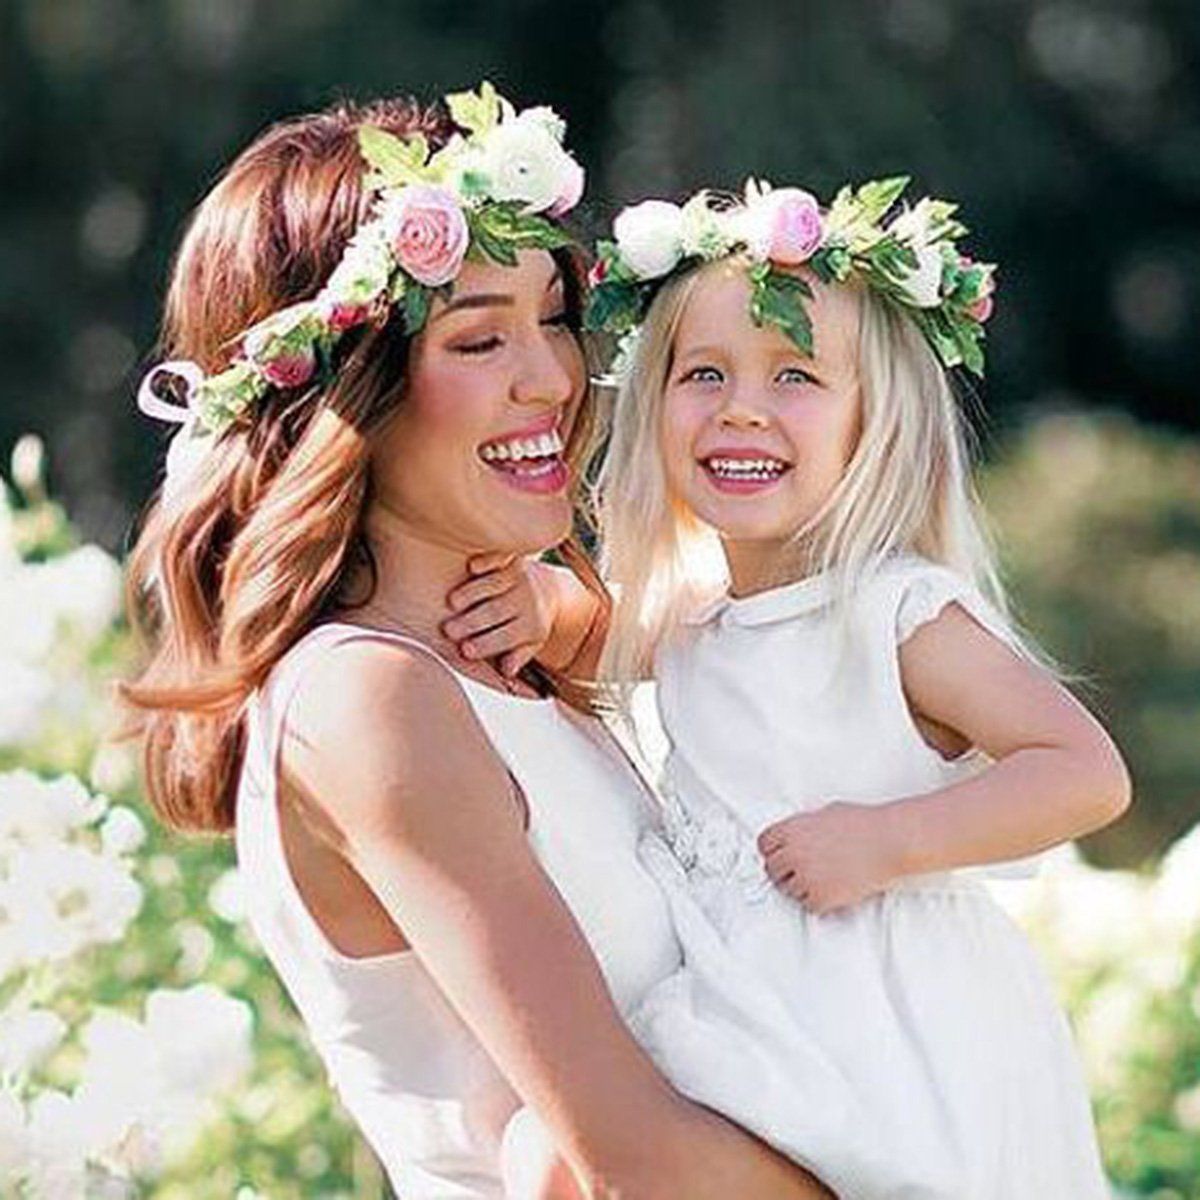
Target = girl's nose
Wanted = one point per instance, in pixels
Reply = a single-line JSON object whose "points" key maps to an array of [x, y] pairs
{"points": [[741, 411]]}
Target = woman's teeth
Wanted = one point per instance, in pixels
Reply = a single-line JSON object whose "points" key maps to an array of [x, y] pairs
{"points": [[546, 445], [759, 469]]}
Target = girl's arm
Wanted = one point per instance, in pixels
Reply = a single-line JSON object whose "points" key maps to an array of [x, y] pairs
{"points": [[519, 609], [1055, 775], [439, 838]]}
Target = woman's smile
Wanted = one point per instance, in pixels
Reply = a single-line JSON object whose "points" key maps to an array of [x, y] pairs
{"points": [[531, 458]]}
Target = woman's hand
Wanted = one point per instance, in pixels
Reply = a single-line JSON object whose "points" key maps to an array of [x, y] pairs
{"points": [[831, 858], [517, 609]]}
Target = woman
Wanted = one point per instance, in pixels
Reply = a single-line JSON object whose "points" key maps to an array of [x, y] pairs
{"points": [[439, 861]]}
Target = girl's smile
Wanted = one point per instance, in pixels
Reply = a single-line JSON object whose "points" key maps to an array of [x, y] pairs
{"points": [[756, 435]]}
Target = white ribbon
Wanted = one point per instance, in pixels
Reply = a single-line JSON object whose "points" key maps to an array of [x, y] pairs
{"points": [[189, 446]]}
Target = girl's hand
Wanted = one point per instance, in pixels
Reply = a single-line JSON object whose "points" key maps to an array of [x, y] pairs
{"points": [[831, 858], [504, 610]]}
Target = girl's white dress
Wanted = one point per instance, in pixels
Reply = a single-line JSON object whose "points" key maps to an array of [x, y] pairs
{"points": [[927, 998]]}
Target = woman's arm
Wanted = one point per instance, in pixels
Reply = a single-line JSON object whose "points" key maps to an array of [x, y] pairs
{"points": [[1055, 775], [383, 745]]}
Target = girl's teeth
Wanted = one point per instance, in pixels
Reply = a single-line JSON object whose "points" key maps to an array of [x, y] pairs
{"points": [[747, 468]]}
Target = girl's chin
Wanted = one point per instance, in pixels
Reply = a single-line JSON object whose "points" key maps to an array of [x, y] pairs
{"points": [[748, 522]]}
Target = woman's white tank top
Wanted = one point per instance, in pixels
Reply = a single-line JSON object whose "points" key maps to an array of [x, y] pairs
{"points": [[422, 1089]]}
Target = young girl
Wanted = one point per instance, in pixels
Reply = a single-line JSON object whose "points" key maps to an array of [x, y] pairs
{"points": [[856, 730]]}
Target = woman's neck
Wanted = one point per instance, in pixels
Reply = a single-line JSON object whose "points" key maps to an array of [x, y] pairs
{"points": [[413, 576]]}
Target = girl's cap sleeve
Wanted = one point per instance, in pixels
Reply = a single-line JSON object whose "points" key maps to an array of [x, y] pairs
{"points": [[928, 588], [925, 591]]}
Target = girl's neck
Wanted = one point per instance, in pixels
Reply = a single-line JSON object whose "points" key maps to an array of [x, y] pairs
{"points": [[758, 566]]}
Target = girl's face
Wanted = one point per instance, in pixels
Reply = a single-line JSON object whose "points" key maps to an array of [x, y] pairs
{"points": [[755, 434], [472, 460]]}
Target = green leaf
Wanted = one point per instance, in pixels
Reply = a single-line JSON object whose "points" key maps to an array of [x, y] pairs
{"points": [[876, 197], [485, 242], [613, 307], [477, 112], [778, 299], [397, 161], [416, 308]]}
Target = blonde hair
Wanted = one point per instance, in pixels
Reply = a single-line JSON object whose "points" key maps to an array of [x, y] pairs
{"points": [[907, 487]]}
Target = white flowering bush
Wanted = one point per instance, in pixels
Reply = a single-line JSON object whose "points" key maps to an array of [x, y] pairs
{"points": [[148, 1051]]}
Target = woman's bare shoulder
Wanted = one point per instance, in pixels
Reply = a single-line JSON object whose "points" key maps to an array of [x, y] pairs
{"points": [[374, 721]]}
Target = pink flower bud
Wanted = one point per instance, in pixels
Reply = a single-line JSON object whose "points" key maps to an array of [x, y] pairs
{"points": [[570, 189], [787, 227], [341, 315], [290, 370], [981, 309]]}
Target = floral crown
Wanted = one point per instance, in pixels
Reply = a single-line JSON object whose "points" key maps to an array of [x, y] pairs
{"points": [[488, 193], [911, 260]]}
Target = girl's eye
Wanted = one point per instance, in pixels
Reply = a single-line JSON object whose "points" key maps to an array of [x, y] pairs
{"points": [[481, 346], [703, 375], [561, 320], [795, 375]]}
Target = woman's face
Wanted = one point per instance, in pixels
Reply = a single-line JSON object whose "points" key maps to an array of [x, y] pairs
{"points": [[472, 460], [755, 434]]}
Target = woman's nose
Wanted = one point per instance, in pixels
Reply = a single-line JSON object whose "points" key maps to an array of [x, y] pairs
{"points": [[546, 371]]}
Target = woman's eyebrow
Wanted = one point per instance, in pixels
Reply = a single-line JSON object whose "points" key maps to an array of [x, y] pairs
{"points": [[475, 300]]}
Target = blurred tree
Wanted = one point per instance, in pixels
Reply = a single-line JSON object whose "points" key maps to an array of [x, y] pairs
{"points": [[1069, 130]]}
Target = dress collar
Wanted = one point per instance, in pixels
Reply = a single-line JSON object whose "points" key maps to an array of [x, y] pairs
{"points": [[763, 608]]}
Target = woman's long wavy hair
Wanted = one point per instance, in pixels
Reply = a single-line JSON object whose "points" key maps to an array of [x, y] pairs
{"points": [[907, 487], [267, 536]]}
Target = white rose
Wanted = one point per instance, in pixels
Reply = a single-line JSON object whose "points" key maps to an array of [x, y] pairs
{"points": [[36, 811], [29, 463], [57, 1158], [923, 287], [217, 1050], [84, 588], [123, 831], [522, 161], [227, 897], [28, 1038], [10, 556], [705, 231], [27, 694], [14, 1139], [650, 237], [545, 117], [76, 898]]}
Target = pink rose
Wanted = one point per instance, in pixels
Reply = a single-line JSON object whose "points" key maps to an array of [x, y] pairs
{"points": [[981, 309], [597, 273], [791, 231], [428, 233], [570, 189], [289, 370], [340, 315]]}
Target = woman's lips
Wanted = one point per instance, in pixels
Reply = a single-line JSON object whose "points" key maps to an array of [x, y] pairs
{"points": [[539, 475], [530, 459]]}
